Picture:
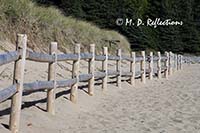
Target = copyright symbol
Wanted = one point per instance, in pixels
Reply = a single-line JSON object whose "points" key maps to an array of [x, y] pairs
{"points": [[119, 21]]}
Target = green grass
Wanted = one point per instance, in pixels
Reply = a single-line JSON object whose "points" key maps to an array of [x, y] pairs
{"points": [[46, 24]]}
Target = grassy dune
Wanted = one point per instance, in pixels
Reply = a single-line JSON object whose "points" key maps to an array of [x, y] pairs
{"points": [[46, 24]]}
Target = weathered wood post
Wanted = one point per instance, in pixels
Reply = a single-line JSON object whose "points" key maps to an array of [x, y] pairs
{"points": [[143, 67], [175, 62], [75, 74], [91, 70], [166, 65], [188, 61], [132, 69], [105, 68], [159, 65], [151, 65], [181, 62], [170, 62], [52, 77], [119, 68], [18, 79], [177, 65]]}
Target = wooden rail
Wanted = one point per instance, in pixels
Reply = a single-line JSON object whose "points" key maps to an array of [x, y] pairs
{"points": [[171, 63]]}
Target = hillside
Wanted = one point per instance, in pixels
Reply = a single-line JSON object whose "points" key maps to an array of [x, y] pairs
{"points": [[46, 24]]}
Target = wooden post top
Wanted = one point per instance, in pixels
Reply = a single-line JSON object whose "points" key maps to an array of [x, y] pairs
{"points": [[159, 53], [105, 48], [92, 48], [143, 53], [77, 48], [105, 52], [21, 40], [53, 47], [119, 52], [92, 45], [133, 53]]}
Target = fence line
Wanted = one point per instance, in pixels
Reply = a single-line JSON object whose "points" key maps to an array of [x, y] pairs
{"points": [[172, 62]]}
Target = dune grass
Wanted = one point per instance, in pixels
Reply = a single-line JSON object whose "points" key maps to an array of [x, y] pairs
{"points": [[46, 24]]}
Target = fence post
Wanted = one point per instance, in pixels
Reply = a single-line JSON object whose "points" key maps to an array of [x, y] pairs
{"points": [[18, 79], [180, 62], [119, 68], [166, 65], [188, 61], [170, 62], [132, 69], [143, 67], [177, 58], [91, 70], [105, 68], [175, 62], [151, 65], [75, 74], [159, 65], [52, 77]]}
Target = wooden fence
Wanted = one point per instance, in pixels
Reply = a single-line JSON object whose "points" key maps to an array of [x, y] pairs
{"points": [[171, 62]]}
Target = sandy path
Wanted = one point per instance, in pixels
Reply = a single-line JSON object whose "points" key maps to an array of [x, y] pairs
{"points": [[160, 106]]}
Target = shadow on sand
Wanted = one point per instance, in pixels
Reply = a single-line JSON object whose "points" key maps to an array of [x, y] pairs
{"points": [[28, 104]]}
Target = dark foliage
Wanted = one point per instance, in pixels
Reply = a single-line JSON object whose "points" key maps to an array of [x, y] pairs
{"points": [[185, 38]]}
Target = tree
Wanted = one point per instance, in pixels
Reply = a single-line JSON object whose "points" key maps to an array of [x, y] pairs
{"points": [[104, 13]]}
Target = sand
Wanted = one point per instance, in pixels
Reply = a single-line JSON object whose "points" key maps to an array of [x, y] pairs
{"points": [[159, 106]]}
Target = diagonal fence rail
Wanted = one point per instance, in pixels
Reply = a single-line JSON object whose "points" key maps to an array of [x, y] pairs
{"points": [[172, 62]]}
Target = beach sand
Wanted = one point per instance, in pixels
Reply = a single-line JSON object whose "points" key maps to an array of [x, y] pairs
{"points": [[159, 106]]}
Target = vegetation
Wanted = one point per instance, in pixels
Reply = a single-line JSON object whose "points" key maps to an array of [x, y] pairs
{"points": [[185, 38], [45, 24]]}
